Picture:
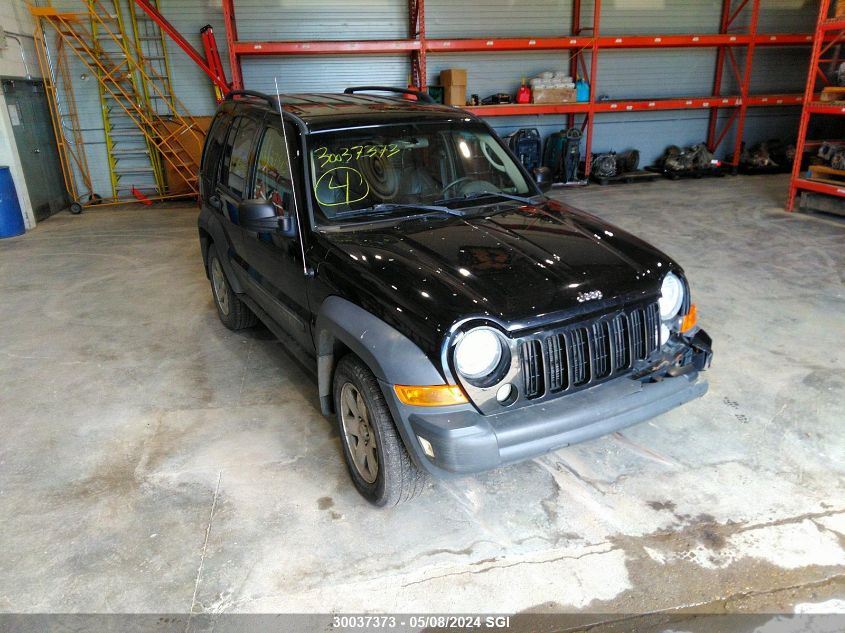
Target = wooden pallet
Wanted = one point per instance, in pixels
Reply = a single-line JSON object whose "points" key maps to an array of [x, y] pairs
{"points": [[626, 177], [711, 172], [829, 175]]}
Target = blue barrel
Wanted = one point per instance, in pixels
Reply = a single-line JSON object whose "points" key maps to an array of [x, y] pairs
{"points": [[11, 216]]}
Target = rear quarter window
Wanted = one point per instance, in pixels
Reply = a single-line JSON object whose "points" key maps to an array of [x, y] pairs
{"points": [[212, 151]]}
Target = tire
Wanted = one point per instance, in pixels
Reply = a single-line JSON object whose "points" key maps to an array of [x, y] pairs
{"points": [[75, 208], [233, 312], [394, 478]]}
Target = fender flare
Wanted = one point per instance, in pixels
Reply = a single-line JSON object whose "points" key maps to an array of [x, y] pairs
{"points": [[389, 354]]}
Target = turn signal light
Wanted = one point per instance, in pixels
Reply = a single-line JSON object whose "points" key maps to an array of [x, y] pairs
{"points": [[690, 319], [430, 396]]}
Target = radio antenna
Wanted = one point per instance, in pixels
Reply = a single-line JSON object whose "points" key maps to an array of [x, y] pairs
{"points": [[306, 271]]}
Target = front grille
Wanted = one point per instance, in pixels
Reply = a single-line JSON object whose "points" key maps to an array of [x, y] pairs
{"points": [[557, 362], [532, 368], [579, 354], [586, 353]]}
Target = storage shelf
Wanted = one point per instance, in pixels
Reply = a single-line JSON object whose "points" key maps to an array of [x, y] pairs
{"points": [[820, 187], [835, 24], [521, 109], [828, 32], [738, 30], [634, 105], [480, 45], [821, 107], [326, 47]]}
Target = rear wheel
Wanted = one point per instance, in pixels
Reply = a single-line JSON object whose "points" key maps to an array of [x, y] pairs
{"points": [[376, 459], [233, 312]]}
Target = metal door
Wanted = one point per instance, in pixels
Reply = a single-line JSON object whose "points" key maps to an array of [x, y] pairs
{"points": [[26, 103]]}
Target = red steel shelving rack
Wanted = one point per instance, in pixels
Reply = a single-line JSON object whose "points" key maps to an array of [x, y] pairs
{"points": [[829, 32], [584, 39], [418, 45]]}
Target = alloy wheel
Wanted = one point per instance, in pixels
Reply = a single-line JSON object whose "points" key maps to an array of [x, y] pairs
{"points": [[357, 433], [221, 289]]}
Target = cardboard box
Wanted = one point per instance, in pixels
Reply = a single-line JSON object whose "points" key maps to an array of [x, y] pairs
{"points": [[840, 9], [455, 95], [553, 95], [453, 77]]}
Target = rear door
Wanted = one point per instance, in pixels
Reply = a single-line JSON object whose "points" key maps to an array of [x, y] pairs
{"points": [[274, 258]]}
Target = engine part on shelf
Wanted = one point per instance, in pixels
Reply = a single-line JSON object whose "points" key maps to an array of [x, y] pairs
{"points": [[677, 159], [527, 144], [840, 74], [837, 161], [628, 161], [760, 156], [572, 155], [702, 158], [766, 157], [789, 153], [500, 98], [604, 165], [828, 150], [562, 154]]}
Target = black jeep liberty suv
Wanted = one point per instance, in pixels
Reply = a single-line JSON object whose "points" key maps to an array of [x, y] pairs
{"points": [[458, 318]]}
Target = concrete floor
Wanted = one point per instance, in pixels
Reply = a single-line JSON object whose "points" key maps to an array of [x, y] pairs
{"points": [[153, 461]]}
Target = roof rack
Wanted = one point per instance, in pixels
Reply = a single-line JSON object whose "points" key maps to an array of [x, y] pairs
{"points": [[421, 96], [250, 93]]}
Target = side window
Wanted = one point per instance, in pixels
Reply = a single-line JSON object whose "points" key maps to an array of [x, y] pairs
{"points": [[235, 168], [272, 173]]}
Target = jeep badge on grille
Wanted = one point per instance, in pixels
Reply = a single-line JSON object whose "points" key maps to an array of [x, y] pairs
{"points": [[589, 296]]}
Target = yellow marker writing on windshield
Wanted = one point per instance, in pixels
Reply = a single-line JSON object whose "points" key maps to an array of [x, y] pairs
{"points": [[348, 182]]}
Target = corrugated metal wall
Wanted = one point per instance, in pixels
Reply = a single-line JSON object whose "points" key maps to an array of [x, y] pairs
{"points": [[622, 74]]}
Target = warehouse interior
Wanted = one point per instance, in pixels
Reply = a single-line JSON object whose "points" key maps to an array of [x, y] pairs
{"points": [[155, 460]]}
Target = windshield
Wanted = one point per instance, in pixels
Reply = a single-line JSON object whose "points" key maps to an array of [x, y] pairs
{"points": [[394, 170]]}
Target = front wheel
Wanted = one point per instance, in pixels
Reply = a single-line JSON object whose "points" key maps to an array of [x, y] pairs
{"points": [[233, 312], [378, 463]]}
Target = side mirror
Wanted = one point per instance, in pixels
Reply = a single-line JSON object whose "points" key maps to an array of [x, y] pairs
{"points": [[543, 178], [258, 215]]}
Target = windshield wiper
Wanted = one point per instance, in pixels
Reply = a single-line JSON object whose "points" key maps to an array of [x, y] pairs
{"points": [[384, 208], [482, 194]]}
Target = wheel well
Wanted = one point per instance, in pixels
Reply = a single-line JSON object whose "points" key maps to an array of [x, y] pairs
{"points": [[326, 369]]}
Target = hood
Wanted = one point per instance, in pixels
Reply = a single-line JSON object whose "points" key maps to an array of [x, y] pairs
{"points": [[517, 265]]}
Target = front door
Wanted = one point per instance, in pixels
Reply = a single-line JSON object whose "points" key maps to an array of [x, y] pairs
{"points": [[26, 103], [232, 183], [275, 257]]}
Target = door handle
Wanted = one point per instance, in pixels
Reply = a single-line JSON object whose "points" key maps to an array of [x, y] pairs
{"points": [[215, 202]]}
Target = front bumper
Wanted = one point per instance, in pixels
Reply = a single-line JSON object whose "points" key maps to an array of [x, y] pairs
{"points": [[465, 441]]}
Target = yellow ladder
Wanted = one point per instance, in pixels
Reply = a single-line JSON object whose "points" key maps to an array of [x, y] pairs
{"points": [[61, 100], [133, 158], [171, 130]]}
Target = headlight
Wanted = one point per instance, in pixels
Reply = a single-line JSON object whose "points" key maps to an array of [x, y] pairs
{"points": [[478, 353], [671, 296]]}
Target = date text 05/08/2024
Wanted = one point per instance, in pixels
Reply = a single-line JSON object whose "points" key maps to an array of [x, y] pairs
{"points": [[368, 622]]}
